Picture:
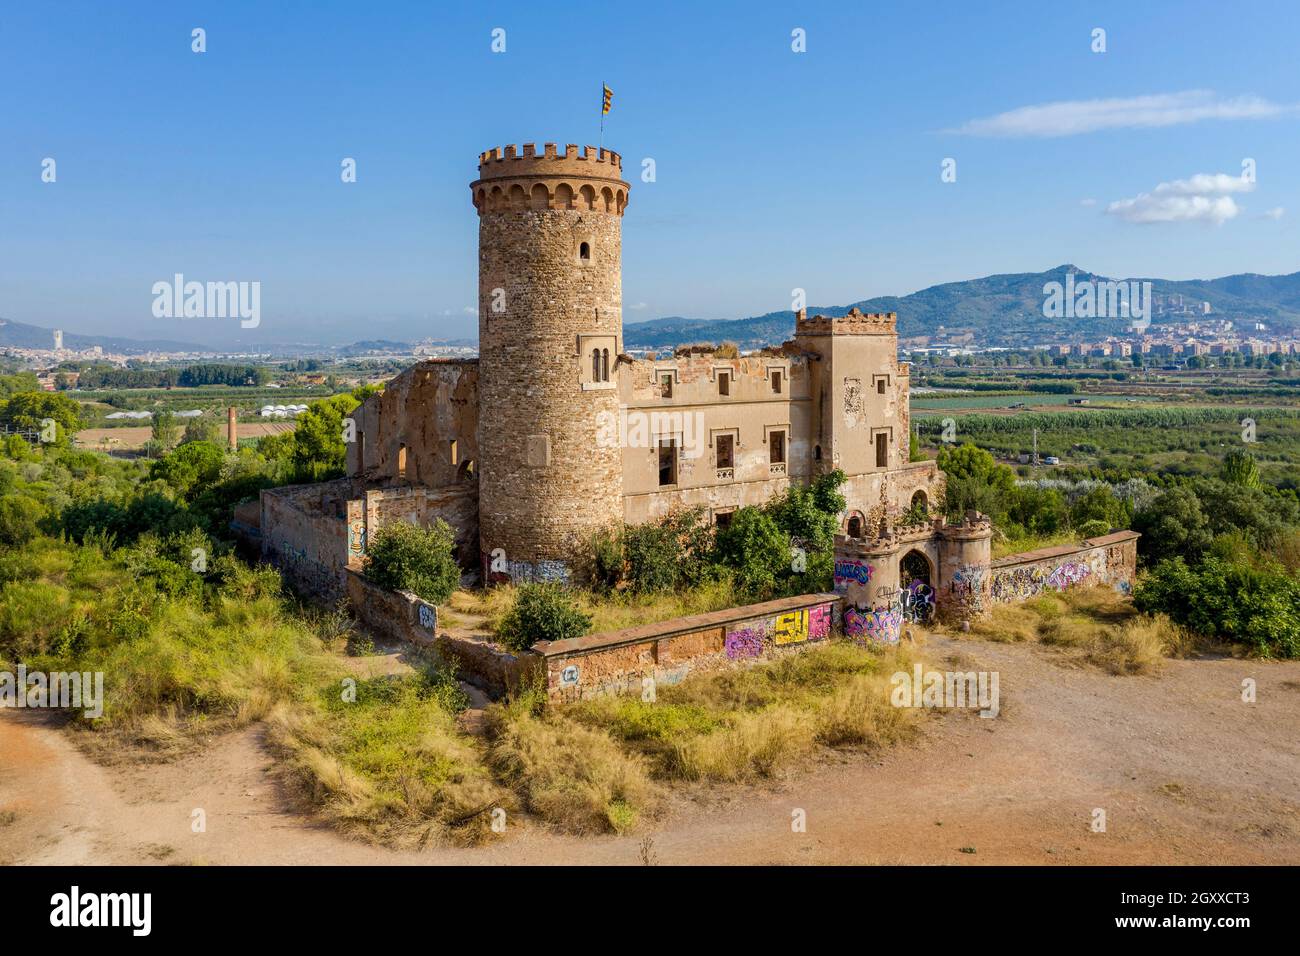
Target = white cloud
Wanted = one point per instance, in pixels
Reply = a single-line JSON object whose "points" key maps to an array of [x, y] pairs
{"points": [[1275, 213], [1072, 117], [638, 306], [1205, 197]]}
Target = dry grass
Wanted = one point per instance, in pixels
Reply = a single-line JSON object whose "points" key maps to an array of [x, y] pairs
{"points": [[1095, 625], [754, 722], [575, 777]]}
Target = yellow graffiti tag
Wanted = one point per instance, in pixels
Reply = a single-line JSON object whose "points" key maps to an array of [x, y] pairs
{"points": [[791, 628]]}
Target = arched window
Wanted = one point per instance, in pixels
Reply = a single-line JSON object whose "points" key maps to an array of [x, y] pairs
{"points": [[920, 504], [595, 365], [604, 365], [855, 527], [584, 251]]}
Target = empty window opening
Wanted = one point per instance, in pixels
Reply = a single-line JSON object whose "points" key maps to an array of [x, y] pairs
{"points": [[466, 470], [880, 386], [667, 461], [454, 452], [604, 365], [776, 381], [776, 448], [595, 365], [882, 450], [855, 526], [817, 452], [584, 251], [920, 504], [723, 520], [666, 385], [726, 451], [724, 383], [401, 461]]}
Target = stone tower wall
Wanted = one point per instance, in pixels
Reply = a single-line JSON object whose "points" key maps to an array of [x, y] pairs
{"points": [[548, 477]]}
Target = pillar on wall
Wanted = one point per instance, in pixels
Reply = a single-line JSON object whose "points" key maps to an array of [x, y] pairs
{"points": [[965, 551], [866, 578]]}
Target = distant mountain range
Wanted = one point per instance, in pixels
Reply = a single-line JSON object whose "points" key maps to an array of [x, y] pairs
{"points": [[24, 336], [999, 310]]}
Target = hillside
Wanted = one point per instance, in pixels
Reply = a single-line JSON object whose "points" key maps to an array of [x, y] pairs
{"points": [[999, 310], [24, 336]]}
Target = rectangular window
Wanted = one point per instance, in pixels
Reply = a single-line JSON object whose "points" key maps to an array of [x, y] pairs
{"points": [[724, 383], [880, 386], [401, 461], [723, 520], [776, 381], [455, 452], [882, 450], [666, 385], [667, 461], [726, 451], [776, 448]]}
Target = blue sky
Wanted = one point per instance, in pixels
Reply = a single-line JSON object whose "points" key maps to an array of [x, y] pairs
{"points": [[775, 170]]}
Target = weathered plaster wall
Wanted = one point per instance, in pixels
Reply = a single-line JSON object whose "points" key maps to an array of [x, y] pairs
{"points": [[304, 534]]}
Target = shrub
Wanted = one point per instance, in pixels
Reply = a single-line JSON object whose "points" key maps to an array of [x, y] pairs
{"points": [[541, 612], [404, 557], [756, 548]]}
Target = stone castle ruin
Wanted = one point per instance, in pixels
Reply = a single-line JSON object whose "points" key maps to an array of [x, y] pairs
{"points": [[555, 433]]}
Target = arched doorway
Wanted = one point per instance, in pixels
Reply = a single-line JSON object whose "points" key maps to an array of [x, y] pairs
{"points": [[916, 587]]}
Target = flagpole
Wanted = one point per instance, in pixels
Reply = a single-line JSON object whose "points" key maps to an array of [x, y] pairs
{"points": [[601, 141]]}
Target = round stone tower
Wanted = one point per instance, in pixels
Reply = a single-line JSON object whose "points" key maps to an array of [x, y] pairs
{"points": [[550, 295]]}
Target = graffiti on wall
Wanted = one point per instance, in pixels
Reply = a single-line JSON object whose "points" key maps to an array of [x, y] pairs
{"points": [[1016, 584], [428, 617], [882, 624], [850, 571], [743, 642], [916, 601], [357, 537], [502, 571], [819, 622], [792, 627], [967, 586]]}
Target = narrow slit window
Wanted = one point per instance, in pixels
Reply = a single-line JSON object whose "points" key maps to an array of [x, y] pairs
{"points": [[604, 365], [584, 251], [401, 461], [882, 450], [454, 452], [595, 365]]}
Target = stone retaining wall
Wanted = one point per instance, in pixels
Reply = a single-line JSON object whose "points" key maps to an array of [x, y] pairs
{"points": [[637, 658], [1109, 560]]}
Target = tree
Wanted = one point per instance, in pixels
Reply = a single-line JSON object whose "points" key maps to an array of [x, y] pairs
{"points": [[976, 481], [163, 428], [31, 410], [405, 557], [756, 548], [1173, 525], [542, 612], [191, 467], [1239, 468]]}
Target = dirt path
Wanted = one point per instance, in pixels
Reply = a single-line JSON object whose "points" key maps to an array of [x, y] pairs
{"points": [[1184, 770]]}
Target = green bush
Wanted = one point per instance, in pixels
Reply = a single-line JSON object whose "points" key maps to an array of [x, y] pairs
{"points": [[403, 557], [1254, 605], [542, 612], [756, 549]]}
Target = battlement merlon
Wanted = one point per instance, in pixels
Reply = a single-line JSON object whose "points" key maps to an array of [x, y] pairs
{"points": [[589, 163], [856, 322]]}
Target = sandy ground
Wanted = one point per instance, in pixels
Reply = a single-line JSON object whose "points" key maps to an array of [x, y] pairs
{"points": [[128, 437], [1185, 771]]}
